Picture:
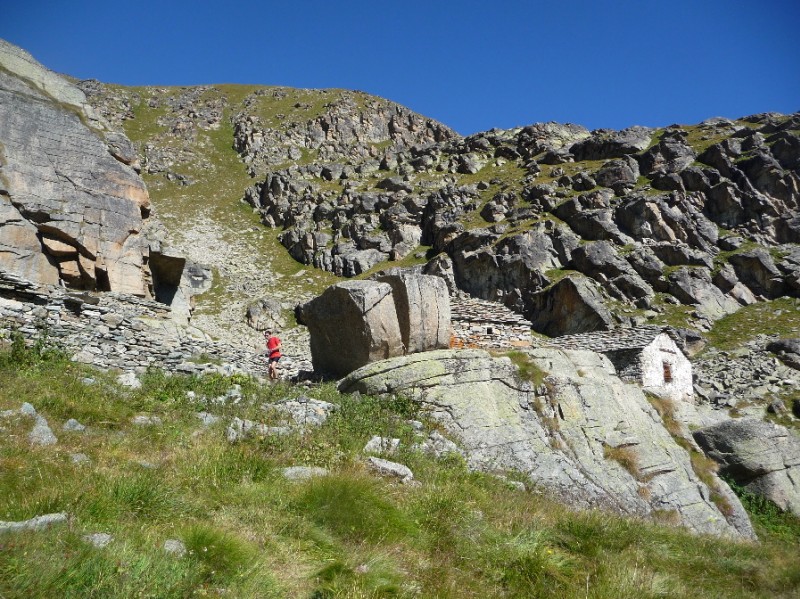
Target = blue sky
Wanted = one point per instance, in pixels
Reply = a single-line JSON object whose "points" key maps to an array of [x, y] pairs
{"points": [[472, 65]]}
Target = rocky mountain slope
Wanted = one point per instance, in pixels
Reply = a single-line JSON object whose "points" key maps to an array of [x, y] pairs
{"points": [[579, 230], [682, 225]]}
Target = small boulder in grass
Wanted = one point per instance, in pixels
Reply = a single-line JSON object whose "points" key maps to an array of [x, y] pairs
{"points": [[98, 539], [381, 445], [41, 433], [206, 418], [175, 547], [301, 473], [74, 426], [130, 380], [37, 523], [79, 458], [390, 469], [145, 420]]}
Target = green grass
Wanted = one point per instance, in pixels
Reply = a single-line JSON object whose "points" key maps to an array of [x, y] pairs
{"points": [[527, 368], [780, 317], [250, 533]]}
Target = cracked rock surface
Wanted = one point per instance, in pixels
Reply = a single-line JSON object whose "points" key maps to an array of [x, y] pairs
{"points": [[762, 457], [563, 434]]}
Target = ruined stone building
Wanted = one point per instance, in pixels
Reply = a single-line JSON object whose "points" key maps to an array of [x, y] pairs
{"points": [[488, 325], [646, 355]]}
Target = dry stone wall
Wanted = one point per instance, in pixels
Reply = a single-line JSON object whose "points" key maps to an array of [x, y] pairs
{"points": [[112, 330], [487, 325]]}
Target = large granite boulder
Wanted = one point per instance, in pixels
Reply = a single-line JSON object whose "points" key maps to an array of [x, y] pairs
{"points": [[788, 350], [352, 324], [423, 310], [265, 314], [762, 457], [572, 305], [585, 435], [69, 209]]}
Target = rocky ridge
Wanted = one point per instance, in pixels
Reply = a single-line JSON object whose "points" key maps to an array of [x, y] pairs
{"points": [[679, 225]]}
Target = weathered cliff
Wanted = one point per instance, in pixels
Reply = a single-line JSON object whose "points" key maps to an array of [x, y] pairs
{"points": [[73, 209]]}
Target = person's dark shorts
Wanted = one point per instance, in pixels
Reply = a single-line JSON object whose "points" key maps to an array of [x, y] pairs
{"points": [[271, 360]]}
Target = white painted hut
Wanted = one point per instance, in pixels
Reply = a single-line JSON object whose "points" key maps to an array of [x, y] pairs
{"points": [[647, 355]]}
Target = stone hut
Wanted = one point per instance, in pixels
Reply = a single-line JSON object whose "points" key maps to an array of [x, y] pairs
{"points": [[647, 355], [483, 324]]}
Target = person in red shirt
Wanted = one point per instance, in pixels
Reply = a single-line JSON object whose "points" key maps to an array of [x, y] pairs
{"points": [[273, 353]]}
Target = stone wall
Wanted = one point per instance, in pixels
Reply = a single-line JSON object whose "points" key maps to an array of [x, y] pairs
{"points": [[488, 325], [111, 330], [628, 364]]}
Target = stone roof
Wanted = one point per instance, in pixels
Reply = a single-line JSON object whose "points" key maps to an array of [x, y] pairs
{"points": [[614, 340], [472, 309]]}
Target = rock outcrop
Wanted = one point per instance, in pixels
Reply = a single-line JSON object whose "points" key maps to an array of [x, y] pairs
{"points": [[69, 209], [583, 435], [422, 304], [654, 208], [354, 323], [762, 457], [351, 324]]}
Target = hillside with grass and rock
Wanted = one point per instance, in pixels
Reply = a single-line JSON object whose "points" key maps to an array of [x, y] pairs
{"points": [[150, 235]]}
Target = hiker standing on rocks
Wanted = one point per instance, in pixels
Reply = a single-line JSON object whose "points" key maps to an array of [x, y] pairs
{"points": [[273, 353]]}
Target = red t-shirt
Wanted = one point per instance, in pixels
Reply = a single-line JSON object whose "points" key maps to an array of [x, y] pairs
{"points": [[273, 344]]}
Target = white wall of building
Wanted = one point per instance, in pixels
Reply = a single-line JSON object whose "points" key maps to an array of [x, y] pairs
{"points": [[663, 351]]}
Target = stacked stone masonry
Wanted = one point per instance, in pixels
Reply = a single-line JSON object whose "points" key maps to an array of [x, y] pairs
{"points": [[488, 325], [112, 330]]}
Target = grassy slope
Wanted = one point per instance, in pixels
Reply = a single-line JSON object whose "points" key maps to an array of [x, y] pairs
{"points": [[252, 534], [216, 191]]}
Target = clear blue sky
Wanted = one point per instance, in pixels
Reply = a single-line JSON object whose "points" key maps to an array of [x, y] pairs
{"points": [[473, 65]]}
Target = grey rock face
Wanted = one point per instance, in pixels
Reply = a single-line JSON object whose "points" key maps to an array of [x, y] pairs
{"points": [[788, 350], [569, 306], [560, 436], [75, 213], [670, 155], [604, 143], [422, 303], [351, 324], [757, 270], [694, 286], [761, 456], [618, 174]]}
